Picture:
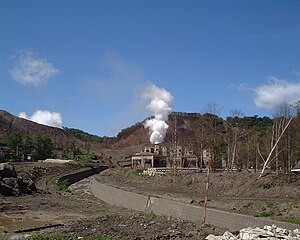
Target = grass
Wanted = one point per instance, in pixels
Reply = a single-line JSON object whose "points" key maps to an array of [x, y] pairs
{"points": [[62, 186], [131, 175], [264, 214], [269, 204], [150, 214], [291, 220], [59, 185], [50, 178], [68, 236]]}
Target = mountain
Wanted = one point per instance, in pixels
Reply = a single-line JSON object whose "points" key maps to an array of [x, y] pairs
{"points": [[10, 124], [137, 134]]}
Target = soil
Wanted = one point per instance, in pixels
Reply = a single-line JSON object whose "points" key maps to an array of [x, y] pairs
{"points": [[83, 213], [274, 196]]}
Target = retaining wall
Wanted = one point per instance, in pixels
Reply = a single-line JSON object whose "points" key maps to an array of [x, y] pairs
{"points": [[77, 176], [161, 206]]}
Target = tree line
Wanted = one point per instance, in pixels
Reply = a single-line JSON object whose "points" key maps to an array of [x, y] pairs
{"points": [[28, 148], [40, 147], [257, 143]]}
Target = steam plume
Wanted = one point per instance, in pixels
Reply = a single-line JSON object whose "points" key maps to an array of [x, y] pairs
{"points": [[160, 106]]}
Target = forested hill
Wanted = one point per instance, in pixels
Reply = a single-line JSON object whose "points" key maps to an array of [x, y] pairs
{"points": [[87, 137], [188, 126]]}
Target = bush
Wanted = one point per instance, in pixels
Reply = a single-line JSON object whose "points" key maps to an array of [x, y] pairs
{"points": [[62, 185], [264, 214], [131, 175]]}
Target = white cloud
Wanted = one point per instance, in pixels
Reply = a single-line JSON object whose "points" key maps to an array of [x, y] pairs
{"points": [[276, 91], [29, 69], [45, 117]]}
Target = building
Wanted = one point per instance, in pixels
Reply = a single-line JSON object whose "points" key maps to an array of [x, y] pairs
{"points": [[163, 156], [153, 156]]}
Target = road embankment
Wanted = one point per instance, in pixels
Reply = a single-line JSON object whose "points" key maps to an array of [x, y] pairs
{"points": [[161, 206], [77, 176]]}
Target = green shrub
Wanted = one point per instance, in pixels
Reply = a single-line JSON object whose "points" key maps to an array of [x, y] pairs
{"points": [[264, 214], [59, 185], [150, 214], [131, 175], [62, 185]]}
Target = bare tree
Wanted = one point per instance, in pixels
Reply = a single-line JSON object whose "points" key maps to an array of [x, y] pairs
{"points": [[212, 108], [280, 126], [234, 136]]}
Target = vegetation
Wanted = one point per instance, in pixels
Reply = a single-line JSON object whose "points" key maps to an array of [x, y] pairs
{"points": [[268, 185], [25, 147], [239, 142], [75, 153], [62, 185], [264, 214], [59, 185], [87, 137], [291, 220], [132, 175]]}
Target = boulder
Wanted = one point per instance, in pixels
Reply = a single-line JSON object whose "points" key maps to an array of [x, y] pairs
{"points": [[5, 190], [7, 170], [13, 185]]}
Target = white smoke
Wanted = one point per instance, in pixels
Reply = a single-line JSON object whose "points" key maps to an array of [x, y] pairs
{"points": [[45, 117], [160, 106]]}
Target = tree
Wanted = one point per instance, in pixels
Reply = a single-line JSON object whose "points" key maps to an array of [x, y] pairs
{"points": [[15, 142], [236, 132], [279, 128], [43, 147], [28, 146]]}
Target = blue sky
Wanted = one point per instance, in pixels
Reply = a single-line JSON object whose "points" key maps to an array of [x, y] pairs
{"points": [[86, 64]]}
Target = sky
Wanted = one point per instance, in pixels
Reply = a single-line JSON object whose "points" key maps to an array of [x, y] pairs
{"points": [[87, 64]]}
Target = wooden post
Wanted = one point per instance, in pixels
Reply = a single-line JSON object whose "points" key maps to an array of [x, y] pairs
{"points": [[206, 191]]}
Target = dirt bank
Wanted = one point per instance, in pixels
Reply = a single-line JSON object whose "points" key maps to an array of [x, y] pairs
{"points": [[277, 197]]}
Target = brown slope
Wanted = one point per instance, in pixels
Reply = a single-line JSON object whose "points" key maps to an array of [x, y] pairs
{"points": [[10, 124], [138, 135]]}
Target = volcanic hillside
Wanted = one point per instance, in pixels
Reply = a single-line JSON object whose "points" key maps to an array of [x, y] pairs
{"points": [[10, 124], [138, 135]]}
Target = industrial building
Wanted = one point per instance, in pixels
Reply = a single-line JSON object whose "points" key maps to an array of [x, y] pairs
{"points": [[158, 156]]}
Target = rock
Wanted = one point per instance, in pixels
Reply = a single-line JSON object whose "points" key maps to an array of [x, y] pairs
{"points": [[5, 190], [7, 170], [213, 237], [229, 236], [13, 185], [268, 232], [174, 225]]}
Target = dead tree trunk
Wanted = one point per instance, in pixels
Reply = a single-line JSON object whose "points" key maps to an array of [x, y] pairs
{"points": [[281, 130]]}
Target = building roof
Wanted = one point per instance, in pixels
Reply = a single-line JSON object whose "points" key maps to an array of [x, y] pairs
{"points": [[296, 168], [145, 154]]}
